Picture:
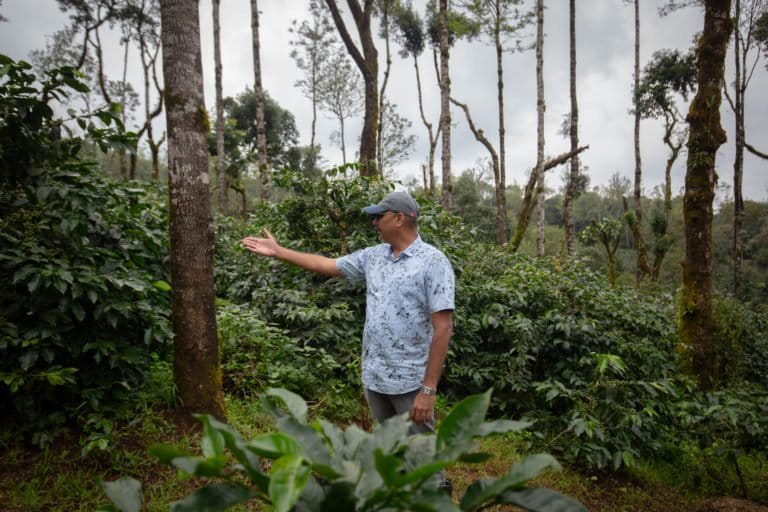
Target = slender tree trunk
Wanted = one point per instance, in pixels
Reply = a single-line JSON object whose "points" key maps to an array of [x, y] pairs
{"points": [[220, 171], [196, 351], [643, 268], [540, 218], [573, 175], [343, 145], [540, 109], [445, 107], [501, 185], [428, 190], [261, 130], [706, 136], [379, 141], [124, 169], [738, 161]]}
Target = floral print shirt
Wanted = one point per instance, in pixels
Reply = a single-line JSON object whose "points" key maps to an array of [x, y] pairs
{"points": [[401, 295]]}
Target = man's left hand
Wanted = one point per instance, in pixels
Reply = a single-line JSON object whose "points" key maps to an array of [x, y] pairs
{"points": [[423, 408]]}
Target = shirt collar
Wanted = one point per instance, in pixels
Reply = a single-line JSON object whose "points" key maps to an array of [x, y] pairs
{"points": [[410, 250]]}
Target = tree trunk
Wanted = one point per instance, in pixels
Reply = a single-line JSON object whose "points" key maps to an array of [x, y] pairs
{"points": [[570, 190], [501, 183], [445, 107], [124, 169], [643, 268], [261, 130], [540, 218], [196, 352], [540, 109], [706, 136], [738, 160], [429, 189], [220, 172], [379, 134], [368, 63]]}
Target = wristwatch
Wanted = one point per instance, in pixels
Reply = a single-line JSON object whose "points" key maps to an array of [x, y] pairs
{"points": [[426, 390]]}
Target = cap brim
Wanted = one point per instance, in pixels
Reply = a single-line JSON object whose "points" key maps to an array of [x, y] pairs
{"points": [[374, 209]]}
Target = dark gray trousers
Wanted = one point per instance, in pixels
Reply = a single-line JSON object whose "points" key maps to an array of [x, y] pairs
{"points": [[385, 406]]}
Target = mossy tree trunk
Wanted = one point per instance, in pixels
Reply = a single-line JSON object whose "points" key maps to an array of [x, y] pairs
{"points": [[573, 175], [445, 107], [261, 127], [706, 136], [196, 353], [221, 174]]}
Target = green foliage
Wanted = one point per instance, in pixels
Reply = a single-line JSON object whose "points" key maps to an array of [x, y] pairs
{"points": [[319, 466], [83, 264], [592, 365], [668, 72]]}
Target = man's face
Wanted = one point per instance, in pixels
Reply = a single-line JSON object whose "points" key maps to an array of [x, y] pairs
{"points": [[386, 224]]}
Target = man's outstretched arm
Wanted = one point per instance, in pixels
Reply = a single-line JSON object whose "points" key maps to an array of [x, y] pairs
{"points": [[269, 247]]}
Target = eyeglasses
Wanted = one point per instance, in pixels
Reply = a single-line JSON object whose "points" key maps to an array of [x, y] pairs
{"points": [[378, 216]]}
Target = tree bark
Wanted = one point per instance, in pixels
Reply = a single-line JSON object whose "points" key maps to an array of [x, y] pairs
{"points": [[429, 187], [541, 248], [220, 171], [540, 109], [379, 135], [501, 182], [643, 268], [261, 130], [445, 107], [570, 191], [196, 352], [368, 63], [706, 136]]}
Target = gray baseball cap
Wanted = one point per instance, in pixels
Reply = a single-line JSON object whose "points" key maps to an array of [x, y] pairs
{"points": [[399, 202]]}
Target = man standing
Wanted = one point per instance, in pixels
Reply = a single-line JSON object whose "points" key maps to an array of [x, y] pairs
{"points": [[409, 308]]}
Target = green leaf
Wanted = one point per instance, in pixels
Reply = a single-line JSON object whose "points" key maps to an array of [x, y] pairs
{"points": [[461, 425], [198, 466], [487, 490], [125, 493], [387, 466], [274, 445], [541, 500], [219, 496], [212, 443], [162, 285], [289, 475], [295, 404], [502, 427]]}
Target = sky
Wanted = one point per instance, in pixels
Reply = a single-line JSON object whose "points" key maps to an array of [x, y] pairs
{"points": [[605, 60]]}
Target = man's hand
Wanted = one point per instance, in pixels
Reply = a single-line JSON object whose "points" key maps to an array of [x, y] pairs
{"points": [[263, 246], [423, 408]]}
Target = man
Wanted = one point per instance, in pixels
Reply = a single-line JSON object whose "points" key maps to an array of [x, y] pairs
{"points": [[409, 308]]}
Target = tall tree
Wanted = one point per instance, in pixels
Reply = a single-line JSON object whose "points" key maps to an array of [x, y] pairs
{"points": [[745, 57], [540, 108], [148, 36], [221, 174], [341, 93], [706, 136], [445, 107], [499, 22], [385, 8], [411, 36], [635, 217], [668, 73], [311, 50], [367, 61], [573, 128], [261, 131], [195, 344]]}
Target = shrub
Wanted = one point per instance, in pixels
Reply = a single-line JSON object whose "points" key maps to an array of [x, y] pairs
{"points": [[319, 466], [83, 268]]}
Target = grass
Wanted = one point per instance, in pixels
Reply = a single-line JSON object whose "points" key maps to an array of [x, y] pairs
{"points": [[59, 478]]}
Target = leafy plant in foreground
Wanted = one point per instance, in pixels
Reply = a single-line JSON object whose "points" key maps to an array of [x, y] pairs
{"points": [[318, 466]]}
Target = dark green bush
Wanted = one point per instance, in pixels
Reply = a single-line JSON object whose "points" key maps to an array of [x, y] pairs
{"points": [[83, 268]]}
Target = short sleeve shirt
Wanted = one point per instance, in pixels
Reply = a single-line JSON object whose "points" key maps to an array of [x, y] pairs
{"points": [[401, 295]]}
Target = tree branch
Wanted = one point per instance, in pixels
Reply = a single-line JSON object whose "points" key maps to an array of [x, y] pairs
{"points": [[755, 151]]}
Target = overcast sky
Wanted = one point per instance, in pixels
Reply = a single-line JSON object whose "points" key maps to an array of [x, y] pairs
{"points": [[605, 63]]}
